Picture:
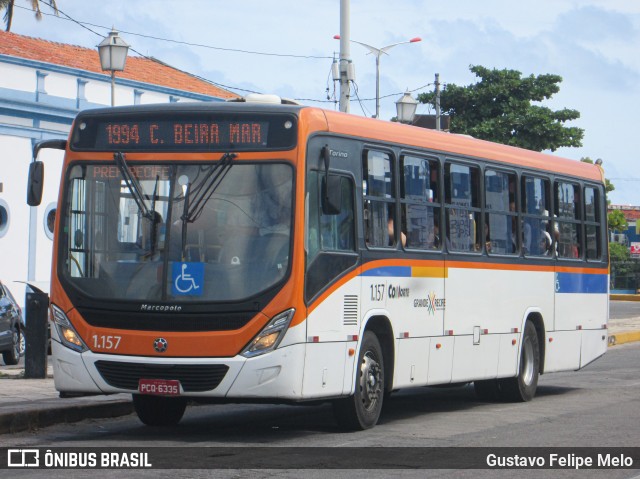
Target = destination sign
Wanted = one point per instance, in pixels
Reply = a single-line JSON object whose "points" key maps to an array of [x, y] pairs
{"points": [[183, 134], [195, 133]]}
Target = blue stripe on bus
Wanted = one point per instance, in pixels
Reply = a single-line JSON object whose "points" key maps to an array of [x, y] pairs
{"points": [[395, 271], [581, 283]]}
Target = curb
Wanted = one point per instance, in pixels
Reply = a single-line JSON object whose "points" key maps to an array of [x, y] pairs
{"points": [[624, 297], [621, 338], [37, 418]]}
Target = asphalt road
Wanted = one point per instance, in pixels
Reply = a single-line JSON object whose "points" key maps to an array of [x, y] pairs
{"points": [[595, 407], [624, 309]]}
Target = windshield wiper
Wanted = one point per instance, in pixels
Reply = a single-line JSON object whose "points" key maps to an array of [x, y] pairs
{"points": [[193, 207], [132, 184]]}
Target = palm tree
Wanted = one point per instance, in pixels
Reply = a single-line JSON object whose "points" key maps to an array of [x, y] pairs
{"points": [[7, 6]]}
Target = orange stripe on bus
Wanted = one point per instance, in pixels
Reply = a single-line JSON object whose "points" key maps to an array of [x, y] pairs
{"points": [[440, 269]]}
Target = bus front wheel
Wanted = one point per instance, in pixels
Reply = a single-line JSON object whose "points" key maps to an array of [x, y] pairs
{"points": [[523, 387], [159, 410], [362, 410]]}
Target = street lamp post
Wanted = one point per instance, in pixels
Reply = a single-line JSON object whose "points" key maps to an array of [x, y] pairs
{"points": [[406, 108], [378, 52], [113, 56]]}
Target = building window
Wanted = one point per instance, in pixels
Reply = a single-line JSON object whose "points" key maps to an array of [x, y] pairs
{"points": [[4, 218], [49, 220]]}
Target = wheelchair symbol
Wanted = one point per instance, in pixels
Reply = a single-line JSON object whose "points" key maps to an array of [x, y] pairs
{"points": [[188, 279]]}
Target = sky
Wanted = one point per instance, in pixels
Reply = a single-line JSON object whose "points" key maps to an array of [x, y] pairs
{"points": [[286, 47]]}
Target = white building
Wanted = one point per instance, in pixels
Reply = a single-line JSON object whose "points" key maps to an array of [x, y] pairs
{"points": [[43, 85]]}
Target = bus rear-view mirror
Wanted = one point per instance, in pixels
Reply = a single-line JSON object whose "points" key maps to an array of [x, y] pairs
{"points": [[35, 183]]}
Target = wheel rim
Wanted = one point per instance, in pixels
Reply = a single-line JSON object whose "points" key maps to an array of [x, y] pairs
{"points": [[527, 363], [370, 381], [23, 345], [16, 343]]}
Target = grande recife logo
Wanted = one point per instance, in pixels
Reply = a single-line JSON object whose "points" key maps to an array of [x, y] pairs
{"points": [[431, 302]]}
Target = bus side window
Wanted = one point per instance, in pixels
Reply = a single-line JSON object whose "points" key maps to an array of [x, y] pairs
{"points": [[462, 208], [379, 198], [568, 207], [593, 238], [535, 201], [501, 216], [420, 202]]}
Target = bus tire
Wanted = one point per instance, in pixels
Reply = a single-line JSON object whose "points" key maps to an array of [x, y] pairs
{"points": [[159, 410], [523, 387], [362, 410], [12, 356]]}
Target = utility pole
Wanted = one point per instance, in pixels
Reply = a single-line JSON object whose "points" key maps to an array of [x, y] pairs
{"points": [[438, 101], [345, 56]]}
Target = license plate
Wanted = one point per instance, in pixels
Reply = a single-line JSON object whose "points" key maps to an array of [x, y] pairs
{"points": [[159, 387]]}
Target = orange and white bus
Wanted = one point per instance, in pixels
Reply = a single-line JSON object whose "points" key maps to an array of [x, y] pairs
{"points": [[269, 252]]}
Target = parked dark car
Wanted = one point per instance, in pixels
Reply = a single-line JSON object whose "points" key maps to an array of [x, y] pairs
{"points": [[11, 327]]}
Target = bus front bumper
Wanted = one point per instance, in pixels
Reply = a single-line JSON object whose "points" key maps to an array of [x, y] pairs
{"points": [[275, 375]]}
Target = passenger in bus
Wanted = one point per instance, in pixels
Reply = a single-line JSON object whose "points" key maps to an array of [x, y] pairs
{"points": [[435, 241], [391, 231], [487, 237], [526, 232], [552, 229], [545, 243]]}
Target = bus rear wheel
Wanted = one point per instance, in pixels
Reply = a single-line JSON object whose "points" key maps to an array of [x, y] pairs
{"points": [[159, 410], [362, 410], [523, 387]]}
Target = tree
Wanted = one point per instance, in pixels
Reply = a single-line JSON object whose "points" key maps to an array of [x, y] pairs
{"points": [[498, 108], [8, 6], [619, 252], [616, 221]]}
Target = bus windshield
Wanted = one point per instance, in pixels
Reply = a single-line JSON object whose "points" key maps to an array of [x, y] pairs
{"points": [[186, 232]]}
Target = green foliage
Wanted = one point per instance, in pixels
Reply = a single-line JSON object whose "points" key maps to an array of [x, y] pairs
{"points": [[498, 108], [616, 221], [618, 252], [625, 271]]}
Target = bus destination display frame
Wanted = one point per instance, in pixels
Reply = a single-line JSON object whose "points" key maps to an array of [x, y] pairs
{"points": [[191, 132]]}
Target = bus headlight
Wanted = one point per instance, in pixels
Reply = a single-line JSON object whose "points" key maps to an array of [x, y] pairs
{"points": [[270, 336], [68, 335]]}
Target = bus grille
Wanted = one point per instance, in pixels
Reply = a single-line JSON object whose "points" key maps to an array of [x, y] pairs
{"points": [[140, 321], [192, 377]]}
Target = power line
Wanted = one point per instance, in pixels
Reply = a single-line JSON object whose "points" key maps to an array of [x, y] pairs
{"points": [[86, 26], [179, 42]]}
